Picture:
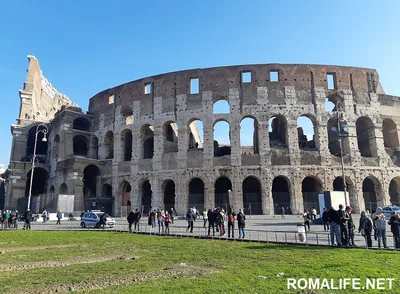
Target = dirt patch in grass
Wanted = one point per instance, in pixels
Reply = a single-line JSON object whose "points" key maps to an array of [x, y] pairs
{"points": [[52, 263], [32, 248], [96, 284]]}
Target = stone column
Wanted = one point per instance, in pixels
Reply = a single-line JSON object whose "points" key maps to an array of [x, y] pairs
{"points": [[209, 196], [293, 142], [208, 147], [183, 143], [158, 147]]}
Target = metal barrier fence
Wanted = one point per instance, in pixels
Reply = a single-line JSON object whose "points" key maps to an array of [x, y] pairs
{"points": [[281, 237]]}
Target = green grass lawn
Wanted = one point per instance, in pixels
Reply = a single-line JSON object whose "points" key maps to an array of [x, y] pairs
{"points": [[225, 267]]}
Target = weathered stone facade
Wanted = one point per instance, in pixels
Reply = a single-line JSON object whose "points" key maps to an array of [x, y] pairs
{"points": [[124, 123]]}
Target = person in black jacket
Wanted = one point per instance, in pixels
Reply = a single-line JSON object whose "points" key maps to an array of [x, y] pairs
{"points": [[325, 219], [211, 221], [131, 218], [344, 217], [394, 223], [241, 219], [334, 221], [28, 217], [350, 226], [136, 221], [365, 228]]}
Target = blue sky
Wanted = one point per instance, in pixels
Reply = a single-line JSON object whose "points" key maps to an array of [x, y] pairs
{"points": [[87, 46]]}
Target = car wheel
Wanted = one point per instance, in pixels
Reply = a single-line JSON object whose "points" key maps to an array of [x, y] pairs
{"points": [[83, 225]]}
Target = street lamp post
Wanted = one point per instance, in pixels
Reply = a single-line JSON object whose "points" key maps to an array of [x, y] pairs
{"points": [[342, 130], [44, 131]]}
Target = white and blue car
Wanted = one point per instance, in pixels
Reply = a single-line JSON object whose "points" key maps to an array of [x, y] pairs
{"points": [[92, 219]]}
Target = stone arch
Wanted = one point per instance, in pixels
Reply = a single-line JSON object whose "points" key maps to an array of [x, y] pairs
{"points": [[168, 188], [394, 191], [252, 202], [281, 194], [82, 124], [366, 136], [63, 189], [196, 193], [351, 190], [126, 144], [170, 135], [249, 136], [311, 186], [222, 187], [372, 193], [221, 106], [196, 133], [80, 145], [95, 147], [127, 115], [390, 135], [91, 177], [41, 146], [146, 198], [333, 139], [278, 133], [125, 193], [222, 146], [109, 145], [106, 191], [56, 146], [306, 132], [331, 102], [147, 136]]}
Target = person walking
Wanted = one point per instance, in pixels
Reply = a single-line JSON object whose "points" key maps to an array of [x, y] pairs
{"points": [[325, 219], [28, 217], [131, 218], [350, 226], [306, 218], [394, 223], [211, 221], [380, 225], [167, 220], [241, 219], [190, 220], [313, 212], [136, 220], [365, 228], [59, 217], [344, 217], [334, 221], [205, 217], [231, 224], [44, 216], [283, 213]]}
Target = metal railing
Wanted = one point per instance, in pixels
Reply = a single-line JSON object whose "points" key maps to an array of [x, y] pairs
{"points": [[265, 236]]}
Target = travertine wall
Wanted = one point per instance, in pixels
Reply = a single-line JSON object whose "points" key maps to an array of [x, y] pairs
{"points": [[301, 90]]}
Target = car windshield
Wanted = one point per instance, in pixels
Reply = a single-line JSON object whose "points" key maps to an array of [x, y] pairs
{"points": [[101, 213], [397, 209]]}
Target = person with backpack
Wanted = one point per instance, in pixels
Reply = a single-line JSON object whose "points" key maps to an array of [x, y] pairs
{"points": [[365, 228], [231, 224], [59, 217], [241, 219], [190, 220]]}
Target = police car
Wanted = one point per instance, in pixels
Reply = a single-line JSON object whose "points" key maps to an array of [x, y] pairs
{"points": [[92, 219], [387, 211]]}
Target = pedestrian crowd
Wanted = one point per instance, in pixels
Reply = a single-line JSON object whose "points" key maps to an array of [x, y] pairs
{"points": [[9, 219]]}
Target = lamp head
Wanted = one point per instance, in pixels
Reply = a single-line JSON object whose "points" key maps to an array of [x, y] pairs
{"points": [[44, 138]]}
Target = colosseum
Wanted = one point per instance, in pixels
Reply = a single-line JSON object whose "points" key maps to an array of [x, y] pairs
{"points": [[151, 142]]}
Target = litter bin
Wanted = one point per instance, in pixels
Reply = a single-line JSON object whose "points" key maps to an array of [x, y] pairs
{"points": [[301, 232]]}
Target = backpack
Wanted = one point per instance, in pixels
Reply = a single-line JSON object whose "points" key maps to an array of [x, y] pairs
{"points": [[231, 218]]}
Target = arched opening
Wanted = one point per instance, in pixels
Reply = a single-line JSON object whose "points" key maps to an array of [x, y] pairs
{"points": [[305, 133], [394, 191], [146, 197], [56, 146], [82, 124], [169, 194], [91, 175], [390, 135], [106, 191], [95, 147], [222, 139], [125, 194], [338, 186], [310, 189], [277, 128], [41, 147], [281, 195], [252, 196], [333, 139], [196, 134], [127, 115], [80, 145], [148, 141], [365, 136], [51, 190], [170, 134], [109, 145], [370, 190], [39, 183], [221, 106], [126, 140], [249, 136], [63, 189], [196, 194], [222, 187], [331, 101]]}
